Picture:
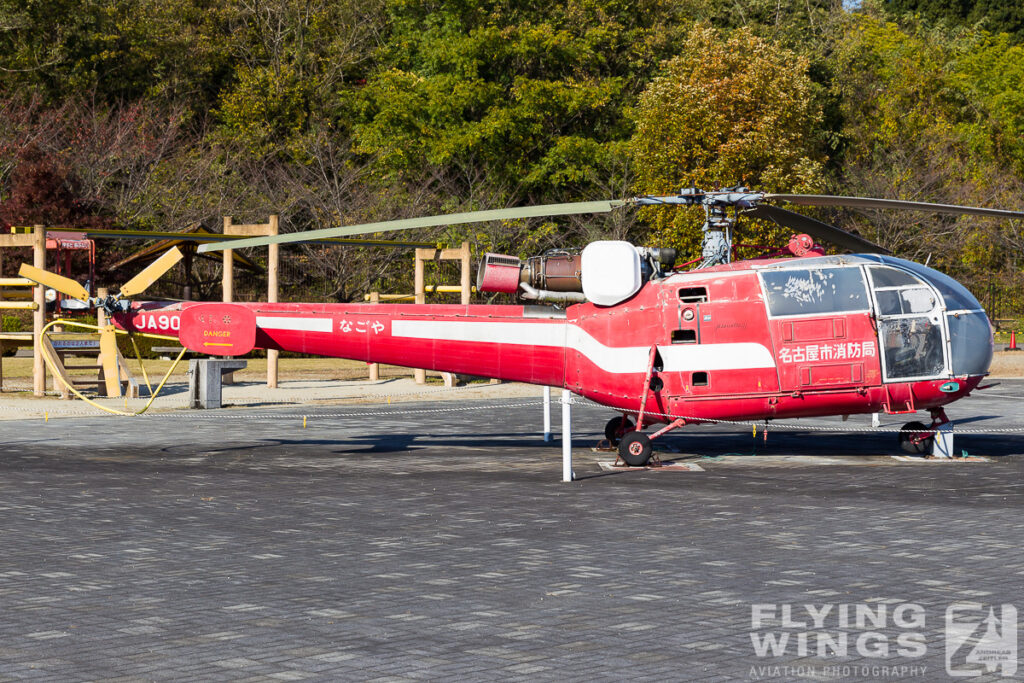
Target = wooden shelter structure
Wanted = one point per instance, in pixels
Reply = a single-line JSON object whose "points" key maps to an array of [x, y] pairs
{"points": [[187, 240]]}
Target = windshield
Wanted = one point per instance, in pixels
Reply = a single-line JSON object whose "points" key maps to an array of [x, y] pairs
{"points": [[956, 296]]}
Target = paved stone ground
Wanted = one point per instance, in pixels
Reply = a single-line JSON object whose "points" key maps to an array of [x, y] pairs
{"points": [[441, 545]]}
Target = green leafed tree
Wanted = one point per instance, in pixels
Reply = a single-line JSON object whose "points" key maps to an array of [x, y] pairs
{"points": [[730, 109], [995, 16], [934, 115], [530, 98], [116, 50]]}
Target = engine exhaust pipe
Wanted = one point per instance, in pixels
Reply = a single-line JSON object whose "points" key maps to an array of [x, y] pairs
{"points": [[529, 292]]}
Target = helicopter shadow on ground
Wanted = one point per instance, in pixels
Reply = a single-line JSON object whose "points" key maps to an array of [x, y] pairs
{"points": [[831, 444], [380, 444], [179, 387]]}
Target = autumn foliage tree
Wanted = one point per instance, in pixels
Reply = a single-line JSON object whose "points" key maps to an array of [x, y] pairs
{"points": [[45, 192], [730, 109]]}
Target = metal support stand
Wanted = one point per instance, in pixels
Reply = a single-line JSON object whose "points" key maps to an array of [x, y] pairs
{"points": [[547, 414], [566, 436], [942, 445], [204, 381]]}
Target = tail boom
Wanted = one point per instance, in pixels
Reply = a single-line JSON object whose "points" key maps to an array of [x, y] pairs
{"points": [[502, 342]]}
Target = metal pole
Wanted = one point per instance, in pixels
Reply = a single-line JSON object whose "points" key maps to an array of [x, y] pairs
{"points": [[566, 436], [547, 414], [374, 367], [272, 288]]}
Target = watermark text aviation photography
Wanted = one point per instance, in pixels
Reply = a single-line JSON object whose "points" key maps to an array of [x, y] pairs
{"points": [[882, 639]]}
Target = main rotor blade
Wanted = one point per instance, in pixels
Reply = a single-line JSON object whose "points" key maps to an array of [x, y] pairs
{"points": [[573, 208], [816, 229], [62, 284], [151, 273], [873, 203]]}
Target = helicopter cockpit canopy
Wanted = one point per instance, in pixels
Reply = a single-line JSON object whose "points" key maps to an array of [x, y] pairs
{"points": [[917, 309]]}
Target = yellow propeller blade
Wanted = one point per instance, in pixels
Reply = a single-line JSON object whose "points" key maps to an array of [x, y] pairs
{"points": [[108, 356], [151, 273], [59, 282]]}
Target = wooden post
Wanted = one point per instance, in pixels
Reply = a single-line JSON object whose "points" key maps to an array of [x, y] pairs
{"points": [[466, 282], [272, 251], [228, 281], [419, 374], [101, 321], [374, 367], [39, 315], [1, 324]]}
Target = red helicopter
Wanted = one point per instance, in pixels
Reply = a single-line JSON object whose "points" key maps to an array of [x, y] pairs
{"points": [[761, 339]]}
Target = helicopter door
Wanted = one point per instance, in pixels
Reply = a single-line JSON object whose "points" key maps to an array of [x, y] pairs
{"points": [[822, 327], [910, 328]]}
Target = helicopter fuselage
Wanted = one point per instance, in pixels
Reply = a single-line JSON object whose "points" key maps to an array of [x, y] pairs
{"points": [[748, 340]]}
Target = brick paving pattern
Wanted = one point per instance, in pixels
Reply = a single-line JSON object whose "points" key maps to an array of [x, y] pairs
{"points": [[442, 546]]}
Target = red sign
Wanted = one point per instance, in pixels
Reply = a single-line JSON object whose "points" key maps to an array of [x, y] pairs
{"points": [[218, 329]]}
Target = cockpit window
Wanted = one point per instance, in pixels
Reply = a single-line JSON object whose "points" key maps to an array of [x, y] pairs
{"points": [[807, 291], [956, 295], [908, 328], [890, 277], [905, 301], [911, 347]]}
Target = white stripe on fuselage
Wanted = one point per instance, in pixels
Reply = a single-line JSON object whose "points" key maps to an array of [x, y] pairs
{"points": [[614, 359], [292, 323]]}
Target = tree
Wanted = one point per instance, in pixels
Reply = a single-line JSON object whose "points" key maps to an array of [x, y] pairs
{"points": [[534, 96], [933, 115], [296, 62], [45, 192], [118, 50], [997, 16], [730, 109]]}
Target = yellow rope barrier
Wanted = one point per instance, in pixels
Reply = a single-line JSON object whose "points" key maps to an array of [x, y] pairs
{"points": [[142, 366], [153, 394]]}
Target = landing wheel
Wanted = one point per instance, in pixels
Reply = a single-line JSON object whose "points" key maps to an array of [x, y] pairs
{"points": [[635, 449], [616, 427], [916, 443]]}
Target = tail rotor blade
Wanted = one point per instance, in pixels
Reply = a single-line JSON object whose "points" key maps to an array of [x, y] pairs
{"points": [[60, 283], [816, 229], [108, 355], [574, 208], [151, 273]]}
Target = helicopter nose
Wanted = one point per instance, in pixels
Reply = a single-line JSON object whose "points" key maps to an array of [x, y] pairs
{"points": [[970, 342]]}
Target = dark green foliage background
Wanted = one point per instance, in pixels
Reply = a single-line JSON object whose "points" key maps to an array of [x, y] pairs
{"points": [[159, 114]]}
